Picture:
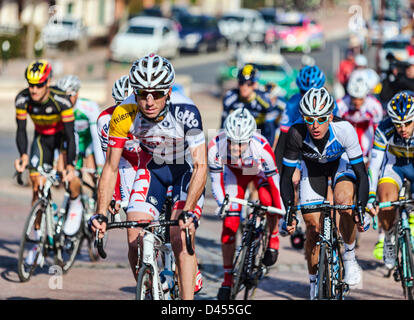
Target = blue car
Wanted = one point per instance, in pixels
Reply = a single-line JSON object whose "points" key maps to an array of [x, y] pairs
{"points": [[200, 33]]}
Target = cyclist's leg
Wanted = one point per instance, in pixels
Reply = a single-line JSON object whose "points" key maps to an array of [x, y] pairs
{"points": [[312, 190], [147, 197], [344, 191], [186, 263]]}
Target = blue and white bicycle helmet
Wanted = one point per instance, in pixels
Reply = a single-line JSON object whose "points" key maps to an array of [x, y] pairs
{"points": [[400, 108], [310, 77]]}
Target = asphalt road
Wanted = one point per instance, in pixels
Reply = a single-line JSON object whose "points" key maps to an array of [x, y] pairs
{"points": [[112, 278]]}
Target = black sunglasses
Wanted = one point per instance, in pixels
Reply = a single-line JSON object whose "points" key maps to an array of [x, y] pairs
{"points": [[158, 94], [37, 85]]}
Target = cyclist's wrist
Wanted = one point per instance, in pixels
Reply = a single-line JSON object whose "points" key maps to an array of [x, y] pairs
{"points": [[191, 214]]}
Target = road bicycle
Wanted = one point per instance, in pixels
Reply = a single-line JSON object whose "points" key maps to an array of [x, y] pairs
{"points": [[157, 276], [404, 266], [330, 283], [248, 268], [43, 234]]}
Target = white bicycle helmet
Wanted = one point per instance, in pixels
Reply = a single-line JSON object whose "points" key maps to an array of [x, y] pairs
{"points": [[70, 84], [316, 102], [358, 86], [240, 126], [121, 89], [152, 72]]}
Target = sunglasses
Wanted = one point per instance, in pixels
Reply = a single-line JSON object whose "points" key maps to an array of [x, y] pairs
{"points": [[248, 82], [37, 85], [311, 120], [156, 94], [400, 124]]}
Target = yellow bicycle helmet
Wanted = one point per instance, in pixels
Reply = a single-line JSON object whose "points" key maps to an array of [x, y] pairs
{"points": [[38, 72]]}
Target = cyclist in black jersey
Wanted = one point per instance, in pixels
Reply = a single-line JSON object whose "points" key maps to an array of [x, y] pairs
{"points": [[51, 112], [328, 147]]}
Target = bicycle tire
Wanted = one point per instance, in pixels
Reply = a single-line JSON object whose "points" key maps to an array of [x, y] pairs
{"points": [[60, 259], [142, 292], [23, 274], [238, 272], [409, 265], [323, 276]]}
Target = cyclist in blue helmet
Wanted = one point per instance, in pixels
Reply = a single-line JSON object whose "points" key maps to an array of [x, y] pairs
{"points": [[308, 77], [391, 161]]}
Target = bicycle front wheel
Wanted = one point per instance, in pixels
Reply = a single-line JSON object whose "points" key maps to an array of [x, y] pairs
{"points": [[239, 272], [31, 245], [407, 273], [145, 286], [323, 277]]}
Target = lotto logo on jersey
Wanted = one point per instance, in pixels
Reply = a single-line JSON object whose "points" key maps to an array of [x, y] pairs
{"points": [[187, 118]]}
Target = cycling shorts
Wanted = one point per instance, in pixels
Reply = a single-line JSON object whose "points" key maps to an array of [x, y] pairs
{"points": [[313, 185], [152, 181], [43, 149], [127, 173], [393, 172]]}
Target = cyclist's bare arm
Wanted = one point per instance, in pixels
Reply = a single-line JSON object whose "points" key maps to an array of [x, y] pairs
{"points": [[107, 182], [198, 178]]}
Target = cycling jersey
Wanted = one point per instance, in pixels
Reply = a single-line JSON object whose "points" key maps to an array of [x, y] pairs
{"points": [[86, 114], [231, 176], [392, 158], [259, 106], [50, 118], [365, 119], [258, 159], [324, 155], [128, 163], [165, 157]]}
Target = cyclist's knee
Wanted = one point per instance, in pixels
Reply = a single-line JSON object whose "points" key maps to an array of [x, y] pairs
{"points": [[230, 226], [265, 197]]}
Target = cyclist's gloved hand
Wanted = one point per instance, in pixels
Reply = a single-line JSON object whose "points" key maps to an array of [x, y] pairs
{"points": [[367, 221], [192, 215], [94, 225], [283, 228], [372, 205]]}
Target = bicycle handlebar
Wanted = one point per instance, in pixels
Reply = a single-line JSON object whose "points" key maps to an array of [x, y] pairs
{"points": [[254, 204], [139, 224], [394, 203]]}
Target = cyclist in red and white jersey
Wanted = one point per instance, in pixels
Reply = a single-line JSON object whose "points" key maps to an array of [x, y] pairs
{"points": [[362, 110], [237, 156]]}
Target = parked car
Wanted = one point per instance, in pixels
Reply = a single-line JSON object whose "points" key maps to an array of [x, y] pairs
{"points": [[272, 68], [390, 28], [397, 46], [66, 29], [297, 32], [243, 25], [144, 35], [200, 33]]}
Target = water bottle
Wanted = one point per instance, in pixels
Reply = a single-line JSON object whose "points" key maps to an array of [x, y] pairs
{"points": [[167, 281], [54, 212]]}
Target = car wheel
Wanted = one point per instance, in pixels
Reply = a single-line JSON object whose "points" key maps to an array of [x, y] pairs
{"points": [[306, 48], [221, 45], [203, 48]]}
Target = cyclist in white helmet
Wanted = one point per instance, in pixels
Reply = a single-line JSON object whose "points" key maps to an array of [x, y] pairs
{"points": [[237, 156], [89, 152], [173, 153], [326, 147], [362, 110]]}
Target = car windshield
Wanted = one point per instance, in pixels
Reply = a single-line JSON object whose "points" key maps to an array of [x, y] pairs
{"points": [[396, 44], [140, 30], [228, 18], [269, 67], [290, 24], [193, 22]]}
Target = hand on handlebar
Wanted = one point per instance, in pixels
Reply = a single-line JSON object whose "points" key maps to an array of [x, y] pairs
{"points": [[21, 163], [97, 223]]}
